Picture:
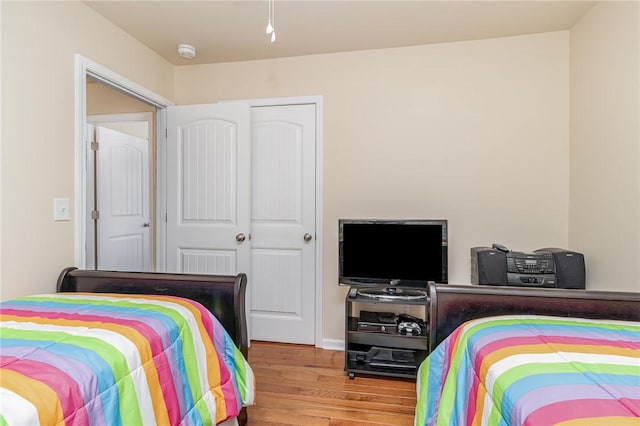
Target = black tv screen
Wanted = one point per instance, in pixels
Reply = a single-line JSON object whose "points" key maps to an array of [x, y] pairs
{"points": [[392, 252]]}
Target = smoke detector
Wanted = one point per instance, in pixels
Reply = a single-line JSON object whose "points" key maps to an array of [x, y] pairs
{"points": [[186, 51]]}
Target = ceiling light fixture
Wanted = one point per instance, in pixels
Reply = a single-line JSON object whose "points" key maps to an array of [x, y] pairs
{"points": [[270, 28], [186, 51]]}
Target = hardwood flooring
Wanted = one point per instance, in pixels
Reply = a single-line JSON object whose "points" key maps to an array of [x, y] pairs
{"points": [[304, 385]]}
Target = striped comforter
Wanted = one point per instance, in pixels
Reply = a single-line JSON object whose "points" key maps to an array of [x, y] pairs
{"points": [[533, 370], [98, 359]]}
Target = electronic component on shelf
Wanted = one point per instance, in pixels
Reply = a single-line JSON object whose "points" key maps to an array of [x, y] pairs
{"points": [[382, 322], [410, 325], [412, 328], [392, 358], [385, 358]]}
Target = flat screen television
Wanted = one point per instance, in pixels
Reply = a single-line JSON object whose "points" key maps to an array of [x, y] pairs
{"points": [[392, 252]]}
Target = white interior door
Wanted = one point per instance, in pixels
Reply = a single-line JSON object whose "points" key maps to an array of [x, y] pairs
{"points": [[122, 188], [282, 285], [208, 188]]}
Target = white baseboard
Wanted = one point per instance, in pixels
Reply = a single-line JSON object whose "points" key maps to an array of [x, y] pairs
{"points": [[332, 344]]}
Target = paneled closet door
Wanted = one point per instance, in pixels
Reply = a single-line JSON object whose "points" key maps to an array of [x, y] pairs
{"points": [[208, 188], [241, 198], [282, 284]]}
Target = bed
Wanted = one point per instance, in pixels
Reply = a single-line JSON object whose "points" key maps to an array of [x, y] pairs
{"points": [[521, 356], [127, 348]]}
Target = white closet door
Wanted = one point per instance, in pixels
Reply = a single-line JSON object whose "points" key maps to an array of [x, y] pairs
{"points": [[282, 285], [208, 188]]}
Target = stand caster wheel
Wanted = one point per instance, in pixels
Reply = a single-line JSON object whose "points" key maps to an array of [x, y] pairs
{"points": [[352, 375]]}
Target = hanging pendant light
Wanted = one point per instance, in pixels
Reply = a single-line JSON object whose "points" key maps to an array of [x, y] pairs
{"points": [[270, 24], [269, 29]]}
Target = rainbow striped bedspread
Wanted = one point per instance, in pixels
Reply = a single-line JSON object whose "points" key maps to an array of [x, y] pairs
{"points": [[535, 371], [107, 359]]}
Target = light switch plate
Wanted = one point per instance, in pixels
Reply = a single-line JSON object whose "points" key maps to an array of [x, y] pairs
{"points": [[61, 209]]}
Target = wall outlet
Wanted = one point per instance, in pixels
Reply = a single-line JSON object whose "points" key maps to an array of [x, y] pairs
{"points": [[61, 209]]}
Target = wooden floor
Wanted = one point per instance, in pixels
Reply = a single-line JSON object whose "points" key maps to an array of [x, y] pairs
{"points": [[304, 385]]}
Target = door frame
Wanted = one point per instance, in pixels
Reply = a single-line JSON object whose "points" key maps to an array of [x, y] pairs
{"points": [[85, 67], [317, 101]]}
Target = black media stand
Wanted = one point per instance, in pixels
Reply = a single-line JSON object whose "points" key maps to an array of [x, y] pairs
{"points": [[380, 338]]}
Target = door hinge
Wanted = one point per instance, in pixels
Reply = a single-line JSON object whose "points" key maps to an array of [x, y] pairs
{"points": [[95, 146], [95, 215], [166, 133]]}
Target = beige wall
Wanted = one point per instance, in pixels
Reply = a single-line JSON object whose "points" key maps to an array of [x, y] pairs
{"points": [[605, 145], [39, 40], [474, 132], [1, 171], [105, 100]]}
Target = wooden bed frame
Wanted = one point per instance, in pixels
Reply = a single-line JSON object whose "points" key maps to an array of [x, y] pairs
{"points": [[452, 305], [223, 295]]}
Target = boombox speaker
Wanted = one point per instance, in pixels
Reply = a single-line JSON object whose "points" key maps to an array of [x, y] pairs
{"points": [[570, 269], [488, 266]]}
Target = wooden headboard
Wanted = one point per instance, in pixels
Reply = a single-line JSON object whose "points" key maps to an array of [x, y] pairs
{"points": [[452, 305], [223, 295]]}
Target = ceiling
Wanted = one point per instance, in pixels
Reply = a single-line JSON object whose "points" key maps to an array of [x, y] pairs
{"points": [[228, 31]]}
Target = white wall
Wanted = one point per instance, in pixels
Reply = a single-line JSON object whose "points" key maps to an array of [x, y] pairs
{"points": [[474, 132], [605, 145], [39, 40]]}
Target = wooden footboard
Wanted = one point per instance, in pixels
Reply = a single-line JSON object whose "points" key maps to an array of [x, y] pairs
{"points": [[452, 305], [223, 295]]}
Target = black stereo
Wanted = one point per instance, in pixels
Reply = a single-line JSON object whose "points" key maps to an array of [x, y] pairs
{"points": [[549, 267]]}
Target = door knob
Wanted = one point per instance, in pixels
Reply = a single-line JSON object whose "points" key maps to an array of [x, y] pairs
{"points": [[307, 237], [240, 237], [145, 225]]}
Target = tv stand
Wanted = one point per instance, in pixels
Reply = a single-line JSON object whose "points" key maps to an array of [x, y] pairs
{"points": [[376, 343]]}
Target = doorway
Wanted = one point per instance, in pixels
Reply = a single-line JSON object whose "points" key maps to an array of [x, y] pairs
{"points": [[119, 175], [145, 101]]}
